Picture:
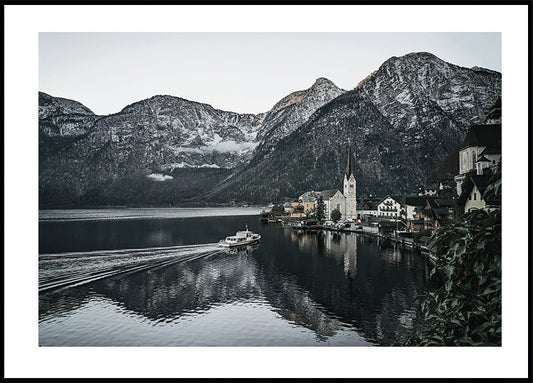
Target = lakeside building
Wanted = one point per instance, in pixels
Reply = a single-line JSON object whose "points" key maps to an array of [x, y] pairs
{"points": [[478, 161], [472, 196], [345, 202], [333, 199], [481, 150], [308, 199], [367, 208], [412, 204], [437, 213], [390, 207]]}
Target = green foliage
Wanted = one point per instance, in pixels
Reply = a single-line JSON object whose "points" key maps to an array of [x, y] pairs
{"points": [[335, 215], [465, 308], [320, 209], [277, 210]]}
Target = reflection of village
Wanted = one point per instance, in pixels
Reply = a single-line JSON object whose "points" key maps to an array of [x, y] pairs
{"points": [[408, 219]]}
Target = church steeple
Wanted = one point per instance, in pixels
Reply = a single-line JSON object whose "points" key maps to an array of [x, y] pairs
{"points": [[349, 167]]}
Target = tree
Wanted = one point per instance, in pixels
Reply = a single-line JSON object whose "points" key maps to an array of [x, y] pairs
{"points": [[465, 308], [277, 210], [319, 210], [336, 215]]}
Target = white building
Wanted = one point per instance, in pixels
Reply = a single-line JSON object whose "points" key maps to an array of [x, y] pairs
{"points": [[350, 189], [389, 207], [333, 198], [481, 148]]}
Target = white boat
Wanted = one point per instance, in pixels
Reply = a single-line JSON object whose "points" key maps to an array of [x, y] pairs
{"points": [[241, 238]]}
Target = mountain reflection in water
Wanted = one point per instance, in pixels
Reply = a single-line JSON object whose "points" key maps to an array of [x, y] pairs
{"points": [[345, 289]]}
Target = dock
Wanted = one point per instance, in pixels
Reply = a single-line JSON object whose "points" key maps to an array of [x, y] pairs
{"points": [[372, 231]]}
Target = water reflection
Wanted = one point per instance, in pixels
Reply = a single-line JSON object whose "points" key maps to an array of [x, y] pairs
{"points": [[381, 281], [324, 282], [164, 295]]}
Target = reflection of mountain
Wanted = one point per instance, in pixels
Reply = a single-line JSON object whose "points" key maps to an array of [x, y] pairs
{"points": [[324, 282], [194, 287]]}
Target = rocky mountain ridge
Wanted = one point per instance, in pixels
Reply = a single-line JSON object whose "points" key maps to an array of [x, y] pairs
{"points": [[402, 120]]}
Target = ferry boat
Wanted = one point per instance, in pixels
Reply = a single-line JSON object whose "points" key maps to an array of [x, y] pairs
{"points": [[241, 238]]}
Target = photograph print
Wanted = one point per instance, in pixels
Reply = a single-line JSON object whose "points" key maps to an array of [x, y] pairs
{"points": [[269, 189]]}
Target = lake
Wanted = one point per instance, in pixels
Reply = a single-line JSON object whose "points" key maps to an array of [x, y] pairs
{"points": [[155, 277]]}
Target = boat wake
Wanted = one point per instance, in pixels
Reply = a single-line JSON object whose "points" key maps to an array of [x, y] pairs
{"points": [[74, 269]]}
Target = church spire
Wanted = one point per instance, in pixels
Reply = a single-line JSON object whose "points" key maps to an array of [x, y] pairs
{"points": [[349, 167]]}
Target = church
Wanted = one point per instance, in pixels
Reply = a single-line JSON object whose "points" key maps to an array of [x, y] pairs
{"points": [[345, 202]]}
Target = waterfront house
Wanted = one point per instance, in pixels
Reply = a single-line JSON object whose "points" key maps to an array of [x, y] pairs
{"points": [[437, 213], [481, 141], [287, 208], [413, 203], [390, 207], [472, 196], [309, 201], [297, 209], [389, 227], [367, 208]]}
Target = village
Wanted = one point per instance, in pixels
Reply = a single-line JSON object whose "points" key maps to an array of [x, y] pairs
{"points": [[409, 220]]}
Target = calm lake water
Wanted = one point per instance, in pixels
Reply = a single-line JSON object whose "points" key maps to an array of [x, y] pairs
{"points": [[141, 278]]}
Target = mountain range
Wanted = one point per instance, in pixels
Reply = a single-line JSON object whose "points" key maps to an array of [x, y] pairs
{"points": [[402, 120]]}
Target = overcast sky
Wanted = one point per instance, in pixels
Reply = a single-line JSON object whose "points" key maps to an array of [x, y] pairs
{"points": [[240, 72]]}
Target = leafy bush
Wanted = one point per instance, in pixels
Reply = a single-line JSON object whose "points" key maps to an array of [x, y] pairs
{"points": [[465, 308], [335, 215]]}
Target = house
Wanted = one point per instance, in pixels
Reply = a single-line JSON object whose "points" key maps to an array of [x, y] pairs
{"points": [[287, 208], [472, 196], [367, 208], [390, 207], [297, 209], [387, 227], [309, 200], [412, 204], [481, 150], [437, 213], [427, 190]]}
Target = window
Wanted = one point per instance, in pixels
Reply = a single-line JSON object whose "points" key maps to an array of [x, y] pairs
{"points": [[474, 196]]}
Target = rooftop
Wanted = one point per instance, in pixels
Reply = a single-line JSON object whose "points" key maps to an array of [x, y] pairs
{"points": [[484, 135]]}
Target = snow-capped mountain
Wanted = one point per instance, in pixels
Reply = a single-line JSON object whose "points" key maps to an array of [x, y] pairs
{"points": [[402, 120], [154, 138], [289, 113], [63, 117]]}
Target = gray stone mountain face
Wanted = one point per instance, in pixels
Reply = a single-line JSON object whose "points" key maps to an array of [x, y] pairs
{"points": [[63, 117], [158, 136], [291, 111], [402, 120]]}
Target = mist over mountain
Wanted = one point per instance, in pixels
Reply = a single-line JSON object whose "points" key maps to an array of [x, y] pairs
{"points": [[402, 120]]}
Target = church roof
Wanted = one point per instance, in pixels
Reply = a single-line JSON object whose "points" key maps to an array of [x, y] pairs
{"points": [[327, 194], [483, 159], [490, 150], [349, 166], [484, 135]]}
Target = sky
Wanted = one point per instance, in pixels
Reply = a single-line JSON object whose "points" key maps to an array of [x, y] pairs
{"points": [[239, 72]]}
